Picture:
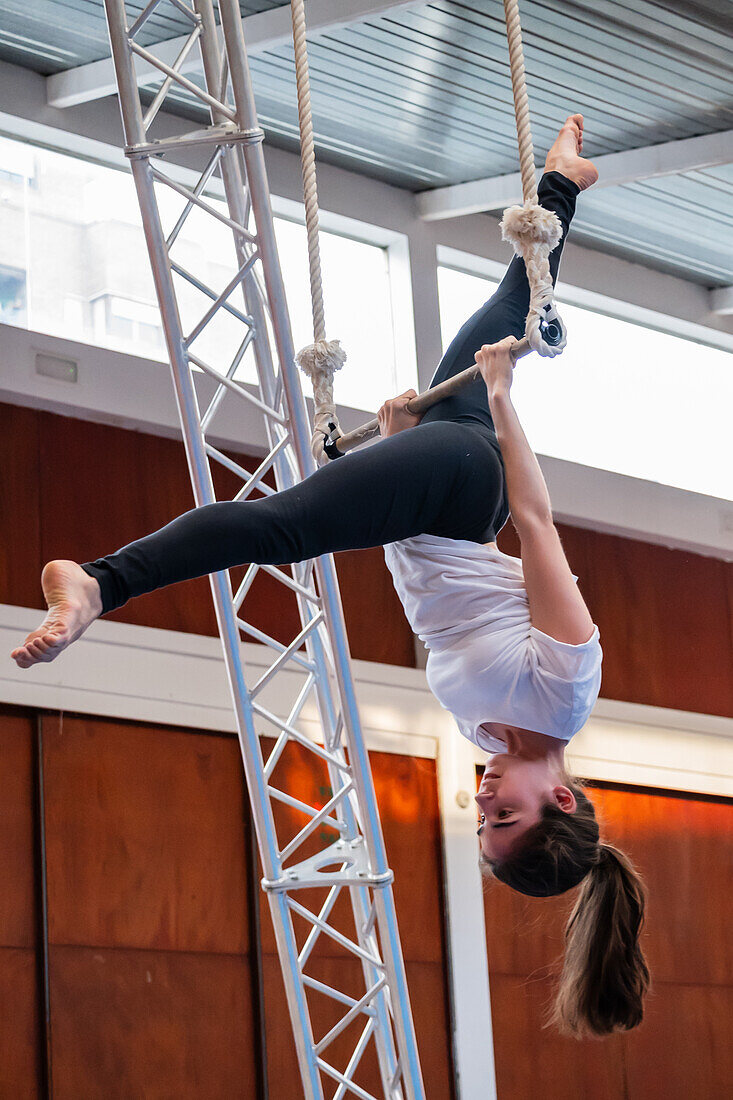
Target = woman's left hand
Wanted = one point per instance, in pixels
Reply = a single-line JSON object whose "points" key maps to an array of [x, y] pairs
{"points": [[496, 365], [394, 417]]}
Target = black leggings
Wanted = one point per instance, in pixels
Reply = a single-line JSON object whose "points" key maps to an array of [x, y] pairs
{"points": [[443, 477]]}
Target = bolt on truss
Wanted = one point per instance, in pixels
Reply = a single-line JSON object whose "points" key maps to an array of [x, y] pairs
{"points": [[325, 868]]}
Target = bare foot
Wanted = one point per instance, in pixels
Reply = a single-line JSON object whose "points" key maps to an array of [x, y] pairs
{"points": [[564, 156], [74, 602]]}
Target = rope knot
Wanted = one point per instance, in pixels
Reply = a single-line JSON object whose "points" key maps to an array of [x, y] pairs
{"points": [[531, 224], [320, 361], [533, 232]]}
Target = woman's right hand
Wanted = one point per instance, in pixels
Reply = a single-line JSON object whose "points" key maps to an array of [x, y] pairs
{"points": [[393, 416], [496, 365]]}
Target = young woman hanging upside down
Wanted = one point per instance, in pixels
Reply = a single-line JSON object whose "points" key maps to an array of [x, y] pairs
{"points": [[514, 652]]}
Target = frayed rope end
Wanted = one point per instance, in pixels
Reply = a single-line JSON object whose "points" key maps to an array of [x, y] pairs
{"points": [[523, 226], [321, 359]]}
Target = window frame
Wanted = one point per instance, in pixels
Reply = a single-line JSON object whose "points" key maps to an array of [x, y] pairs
{"points": [[35, 135]]}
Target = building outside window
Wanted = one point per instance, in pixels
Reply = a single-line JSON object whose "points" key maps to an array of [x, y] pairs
{"points": [[12, 296], [73, 263]]}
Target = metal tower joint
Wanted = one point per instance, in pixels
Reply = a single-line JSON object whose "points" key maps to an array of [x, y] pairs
{"points": [[319, 870], [226, 133]]}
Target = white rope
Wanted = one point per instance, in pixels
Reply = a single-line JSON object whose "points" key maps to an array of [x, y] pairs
{"points": [[323, 357], [532, 230]]}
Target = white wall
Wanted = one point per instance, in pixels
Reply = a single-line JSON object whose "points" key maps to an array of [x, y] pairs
{"points": [[152, 675]]}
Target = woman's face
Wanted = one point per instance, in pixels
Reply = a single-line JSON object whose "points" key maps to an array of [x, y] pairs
{"points": [[513, 790]]}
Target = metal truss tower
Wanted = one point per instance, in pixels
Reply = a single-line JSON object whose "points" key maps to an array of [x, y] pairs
{"points": [[325, 867]]}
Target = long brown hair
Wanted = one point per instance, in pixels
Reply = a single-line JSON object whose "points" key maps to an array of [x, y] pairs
{"points": [[605, 975]]}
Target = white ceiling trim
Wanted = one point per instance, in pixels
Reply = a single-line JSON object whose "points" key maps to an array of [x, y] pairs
{"points": [[144, 674], [262, 31], [650, 161]]}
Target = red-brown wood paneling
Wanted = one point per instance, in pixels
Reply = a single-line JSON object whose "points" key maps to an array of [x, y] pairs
{"points": [[429, 1009], [126, 484], [375, 621], [145, 837], [678, 844], [682, 845], [20, 1065], [664, 615], [17, 890], [20, 1055], [683, 1050], [20, 516], [408, 800], [532, 1062], [407, 794], [150, 1024], [665, 618]]}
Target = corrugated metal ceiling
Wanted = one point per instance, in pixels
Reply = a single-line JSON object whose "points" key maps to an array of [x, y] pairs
{"points": [[420, 97]]}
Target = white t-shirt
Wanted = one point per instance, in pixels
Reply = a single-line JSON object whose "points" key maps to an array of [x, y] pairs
{"points": [[486, 662]]}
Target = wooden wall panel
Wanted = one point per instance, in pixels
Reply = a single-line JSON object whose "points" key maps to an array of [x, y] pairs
{"points": [[682, 845], [131, 484], [19, 990], [150, 1024], [126, 484], [677, 843], [683, 1050], [375, 621], [145, 837], [20, 516], [17, 858], [408, 799], [665, 617], [532, 1062], [407, 792], [20, 1075], [430, 1014], [426, 982]]}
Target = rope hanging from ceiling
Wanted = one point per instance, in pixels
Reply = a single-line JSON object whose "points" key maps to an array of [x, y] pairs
{"points": [[321, 359], [532, 231]]}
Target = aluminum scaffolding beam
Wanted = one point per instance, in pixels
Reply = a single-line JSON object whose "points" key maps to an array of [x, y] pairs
{"points": [[325, 869]]}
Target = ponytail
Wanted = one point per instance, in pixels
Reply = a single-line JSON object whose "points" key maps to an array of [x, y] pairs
{"points": [[605, 975]]}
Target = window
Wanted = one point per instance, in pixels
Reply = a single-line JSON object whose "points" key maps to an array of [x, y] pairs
{"points": [[357, 298], [621, 397], [77, 234], [12, 296], [125, 323]]}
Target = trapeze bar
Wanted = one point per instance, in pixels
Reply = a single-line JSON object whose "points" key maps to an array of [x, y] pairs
{"points": [[337, 445]]}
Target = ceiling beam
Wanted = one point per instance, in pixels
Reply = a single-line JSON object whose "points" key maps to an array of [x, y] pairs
{"points": [[721, 300], [650, 161], [262, 31]]}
